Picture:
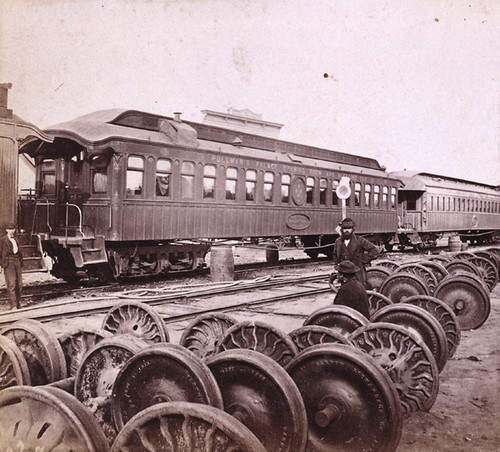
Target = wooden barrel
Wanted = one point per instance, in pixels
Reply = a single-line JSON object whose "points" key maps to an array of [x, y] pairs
{"points": [[454, 243], [222, 264]]}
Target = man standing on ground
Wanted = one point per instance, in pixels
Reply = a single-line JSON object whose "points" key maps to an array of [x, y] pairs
{"points": [[351, 292], [11, 261], [353, 248]]}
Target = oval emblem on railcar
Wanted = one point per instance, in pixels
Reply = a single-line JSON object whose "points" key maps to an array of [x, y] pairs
{"points": [[298, 221]]}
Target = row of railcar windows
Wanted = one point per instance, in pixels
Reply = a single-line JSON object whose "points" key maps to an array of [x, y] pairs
{"points": [[364, 195], [454, 204]]}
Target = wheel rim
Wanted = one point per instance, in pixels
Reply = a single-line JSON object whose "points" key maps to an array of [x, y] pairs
{"points": [[309, 335], [375, 276], [421, 271], [342, 319], [400, 286], [438, 269], [377, 301], [13, 366]]}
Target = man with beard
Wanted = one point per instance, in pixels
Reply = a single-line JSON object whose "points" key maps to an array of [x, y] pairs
{"points": [[350, 247]]}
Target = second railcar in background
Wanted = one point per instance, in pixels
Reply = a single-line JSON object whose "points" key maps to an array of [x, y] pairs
{"points": [[123, 192], [431, 206]]}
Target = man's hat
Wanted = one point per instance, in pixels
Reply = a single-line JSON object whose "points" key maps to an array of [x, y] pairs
{"points": [[9, 225], [348, 268], [347, 223]]}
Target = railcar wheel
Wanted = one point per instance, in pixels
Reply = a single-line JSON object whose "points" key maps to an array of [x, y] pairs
{"points": [[492, 257], [13, 366], [76, 344], [309, 335], [422, 323], [350, 401], [375, 276], [400, 286], [45, 418], [261, 337], [162, 373], [406, 358], [424, 273], [495, 252], [391, 265], [444, 315], [439, 258], [487, 271], [437, 268], [184, 426], [137, 319], [98, 372], [468, 300], [460, 266], [42, 351], [259, 393], [342, 319], [377, 301], [203, 333]]}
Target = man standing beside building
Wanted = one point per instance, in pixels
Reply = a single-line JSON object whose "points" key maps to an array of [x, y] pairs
{"points": [[350, 247], [11, 261]]}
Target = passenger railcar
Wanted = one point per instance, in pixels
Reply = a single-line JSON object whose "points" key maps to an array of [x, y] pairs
{"points": [[430, 206], [141, 192]]}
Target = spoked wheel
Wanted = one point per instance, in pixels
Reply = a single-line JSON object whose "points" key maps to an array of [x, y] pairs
{"points": [[184, 426], [45, 418], [42, 351], [259, 393], [162, 373], [203, 333], [487, 270], [377, 301], [13, 366], [400, 286], [342, 319], [421, 271], [77, 343], [461, 265], [423, 323], [97, 374], [444, 315], [468, 300], [437, 268], [137, 319], [406, 358], [491, 256], [309, 335], [391, 265], [350, 401], [261, 337], [375, 276]]}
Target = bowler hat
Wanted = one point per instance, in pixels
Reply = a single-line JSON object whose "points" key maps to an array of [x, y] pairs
{"points": [[347, 223], [10, 225], [348, 268]]}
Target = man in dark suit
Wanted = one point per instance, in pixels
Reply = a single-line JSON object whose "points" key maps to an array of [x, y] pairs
{"points": [[353, 248], [351, 292], [11, 261]]}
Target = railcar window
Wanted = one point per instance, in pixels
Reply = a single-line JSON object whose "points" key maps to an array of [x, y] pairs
{"points": [[357, 194], [335, 198], [135, 175], [393, 198], [385, 191], [376, 196], [231, 178], [447, 203], [442, 203], [250, 185], [48, 183], [268, 186], [285, 188], [209, 182], [99, 181], [368, 195], [187, 179], [163, 175], [323, 185], [463, 205], [309, 190]]}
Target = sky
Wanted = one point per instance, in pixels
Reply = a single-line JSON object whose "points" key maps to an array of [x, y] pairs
{"points": [[414, 84]]}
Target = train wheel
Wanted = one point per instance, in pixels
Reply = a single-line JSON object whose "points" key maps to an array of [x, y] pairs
{"points": [[42, 351], [97, 374], [421, 322], [186, 426], [162, 373], [468, 300], [13, 366], [203, 333], [137, 319], [487, 270], [424, 273], [259, 393], [375, 276], [342, 319], [444, 315], [391, 265], [377, 301], [45, 418], [309, 335], [406, 358], [495, 252], [260, 337], [77, 343], [403, 285], [437, 268], [350, 401], [461, 265]]}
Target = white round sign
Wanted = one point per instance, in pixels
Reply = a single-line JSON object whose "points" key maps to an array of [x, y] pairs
{"points": [[343, 191]]}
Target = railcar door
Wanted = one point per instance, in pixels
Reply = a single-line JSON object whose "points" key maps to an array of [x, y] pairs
{"points": [[409, 217]]}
